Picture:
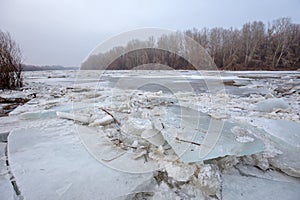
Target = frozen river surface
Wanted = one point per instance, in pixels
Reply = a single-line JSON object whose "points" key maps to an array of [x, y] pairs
{"points": [[152, 135]]}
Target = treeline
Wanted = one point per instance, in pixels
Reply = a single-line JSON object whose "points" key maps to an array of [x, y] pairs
{"points": [[256, 46], [45, 68]]}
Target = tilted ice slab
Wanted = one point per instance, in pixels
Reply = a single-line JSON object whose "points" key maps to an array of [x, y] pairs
{"points": [[251, 187], [286, 131], [284, 136], [195, 136], [52, 163]]}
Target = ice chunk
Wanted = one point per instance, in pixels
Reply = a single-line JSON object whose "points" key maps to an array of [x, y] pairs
{"points": [[80, 118], [209, 179], [164, 192], [139, 154], [274, 175], [192, 192], [287, 131], [153, 136], [227, 162], [269, 105], [135, 126], [37, 115], [149, 100], [261, 160], [234, 187], [113, 156], [288, 161], [189, 131], [103, 121], [285, 137], [180, 172]]}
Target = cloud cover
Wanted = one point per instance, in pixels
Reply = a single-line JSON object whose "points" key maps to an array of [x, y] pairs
{"points": [[65, 31]]}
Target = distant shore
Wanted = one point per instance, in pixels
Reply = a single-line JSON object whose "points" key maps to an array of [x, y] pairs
{"points": [[26, 67]]}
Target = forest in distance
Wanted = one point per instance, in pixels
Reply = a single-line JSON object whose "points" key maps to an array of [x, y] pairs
{"points": [[255, 46]]}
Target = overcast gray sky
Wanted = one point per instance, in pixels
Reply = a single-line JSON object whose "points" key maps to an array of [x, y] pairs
{"points": [[65, 31]]}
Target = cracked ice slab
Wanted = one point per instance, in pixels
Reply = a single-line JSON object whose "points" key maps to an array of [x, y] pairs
{"points": [[52, 163], [285, 136], [195, 136], [283, 130], [248, 187], [6, 189]]}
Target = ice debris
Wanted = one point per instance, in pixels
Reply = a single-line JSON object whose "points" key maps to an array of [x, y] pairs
{"points": [[103, 121], [180, 172], [163, 192], [209, 179], [135, 126]]}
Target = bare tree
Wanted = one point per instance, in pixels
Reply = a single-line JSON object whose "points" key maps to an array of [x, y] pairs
{"points": [[10, 62], [252, 34], [251, 47], [279, 38]]}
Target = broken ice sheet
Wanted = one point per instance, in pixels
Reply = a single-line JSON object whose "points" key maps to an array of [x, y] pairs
{"points": [[284, 135], [286, 131], [55, 157], [195, 136], [38, 113], [266, 185], [112, 156]]}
